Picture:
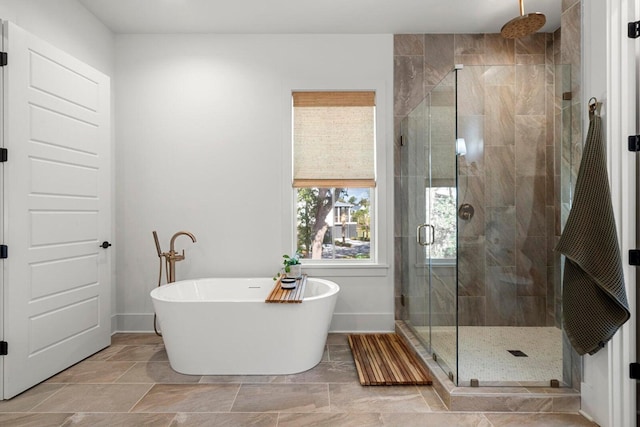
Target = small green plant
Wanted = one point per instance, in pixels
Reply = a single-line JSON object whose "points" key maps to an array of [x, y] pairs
{"points": [[288, 261]]}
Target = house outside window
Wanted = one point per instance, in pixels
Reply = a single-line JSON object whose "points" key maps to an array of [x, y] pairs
{"points": [[334, 174]]}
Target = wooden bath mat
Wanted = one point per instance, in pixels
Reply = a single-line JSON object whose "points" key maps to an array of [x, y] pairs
{"points": [[384, 359], [295, 295]]}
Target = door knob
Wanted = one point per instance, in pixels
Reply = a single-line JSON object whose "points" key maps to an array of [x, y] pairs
{"points": [[105, 245]]}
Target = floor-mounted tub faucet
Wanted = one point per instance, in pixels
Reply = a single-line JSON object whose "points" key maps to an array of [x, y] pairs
{"points": [[172, 256]]}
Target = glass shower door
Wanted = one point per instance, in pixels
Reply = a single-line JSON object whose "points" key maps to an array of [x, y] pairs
{"points": [[430, 200], [441, 201], [415, 172]]}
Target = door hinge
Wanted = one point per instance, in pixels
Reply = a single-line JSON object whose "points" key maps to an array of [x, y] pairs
{"points": [[4, 251], [634, 143], [4, 154], [4, 348], [634, 256], [3, 59], [634, 371], [633, 29], [402, 300]]}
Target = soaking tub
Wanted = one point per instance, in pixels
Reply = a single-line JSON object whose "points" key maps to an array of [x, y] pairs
{"points": [[222, 326]]}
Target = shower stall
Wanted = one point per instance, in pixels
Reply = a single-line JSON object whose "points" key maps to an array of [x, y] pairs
{"points": [[487, 168]]}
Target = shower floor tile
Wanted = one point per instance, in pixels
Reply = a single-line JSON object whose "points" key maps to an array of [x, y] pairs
{"points": [[484, 353]]}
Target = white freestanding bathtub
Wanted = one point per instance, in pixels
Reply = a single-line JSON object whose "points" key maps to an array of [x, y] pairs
{"points": [[222, 326]]}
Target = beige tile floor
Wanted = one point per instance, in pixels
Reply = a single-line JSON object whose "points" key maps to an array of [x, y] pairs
{"points": [[131, 383]]}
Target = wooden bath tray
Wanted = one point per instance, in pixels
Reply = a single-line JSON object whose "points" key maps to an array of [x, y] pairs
{"points": [[295, 295]]}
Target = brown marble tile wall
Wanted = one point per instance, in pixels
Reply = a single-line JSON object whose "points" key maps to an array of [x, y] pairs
{"points": [[511, 118]]}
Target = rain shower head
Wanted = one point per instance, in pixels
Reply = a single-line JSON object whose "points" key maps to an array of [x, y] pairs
{"points": [[523, 25]]}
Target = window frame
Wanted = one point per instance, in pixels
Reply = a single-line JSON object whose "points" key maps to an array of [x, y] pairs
{"points": [[381, 195]]}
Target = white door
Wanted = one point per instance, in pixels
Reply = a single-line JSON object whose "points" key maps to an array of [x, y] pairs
{"points": [[56, 211]]}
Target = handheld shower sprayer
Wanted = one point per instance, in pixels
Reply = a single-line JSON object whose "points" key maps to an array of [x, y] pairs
{"points": [[161, 255], [155, 237]]}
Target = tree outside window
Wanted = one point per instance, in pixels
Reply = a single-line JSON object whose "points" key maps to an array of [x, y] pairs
{"points": [[441, 211], [333, 223]]}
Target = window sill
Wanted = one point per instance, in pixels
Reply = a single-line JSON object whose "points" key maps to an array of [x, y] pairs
{"points": [[346, 269], [438, 263]]}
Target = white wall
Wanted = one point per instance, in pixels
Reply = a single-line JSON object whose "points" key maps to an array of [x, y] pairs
{"points": [[203, 144], [67, 25]]}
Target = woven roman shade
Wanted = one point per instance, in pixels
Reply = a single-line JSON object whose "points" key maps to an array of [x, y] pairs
{"points": [[333, 139]]}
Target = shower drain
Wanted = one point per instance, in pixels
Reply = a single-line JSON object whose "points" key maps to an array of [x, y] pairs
{"points": [[518, 353]]}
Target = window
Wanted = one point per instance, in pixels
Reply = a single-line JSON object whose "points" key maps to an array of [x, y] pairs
{"points": [[441, 213], [334, 173], [334, 223]]}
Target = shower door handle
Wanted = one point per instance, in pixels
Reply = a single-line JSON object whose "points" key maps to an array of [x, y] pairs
{"points": [[419, 239], [433, 234]]}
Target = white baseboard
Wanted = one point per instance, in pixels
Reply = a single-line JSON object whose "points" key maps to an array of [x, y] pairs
{"points": [[362, 322], [341, 322], [137, 322]]}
